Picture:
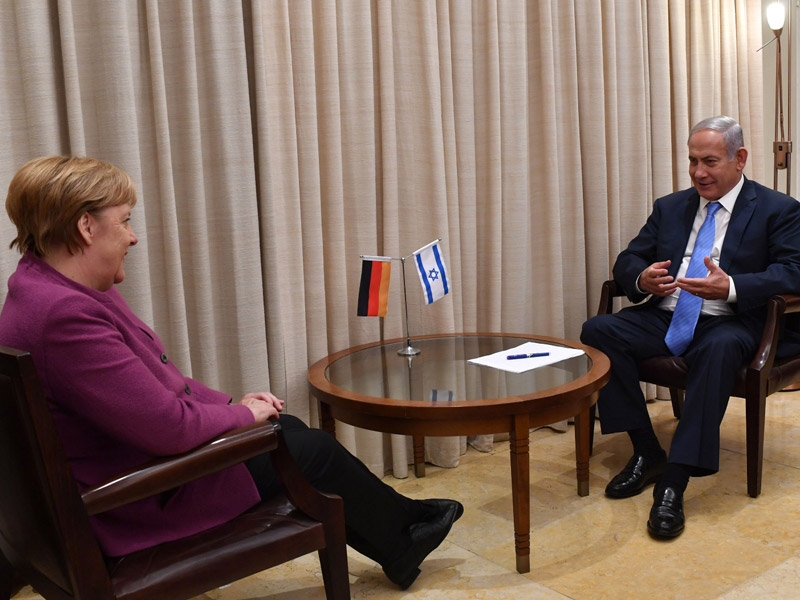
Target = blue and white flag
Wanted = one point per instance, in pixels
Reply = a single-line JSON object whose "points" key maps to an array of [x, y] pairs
{"points": [[432, 272]]}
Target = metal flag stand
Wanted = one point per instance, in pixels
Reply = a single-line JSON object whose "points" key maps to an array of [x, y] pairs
{"points": [[409, 350]]}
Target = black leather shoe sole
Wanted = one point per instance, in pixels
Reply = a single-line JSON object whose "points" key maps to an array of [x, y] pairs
{"points": [[664, 534]]}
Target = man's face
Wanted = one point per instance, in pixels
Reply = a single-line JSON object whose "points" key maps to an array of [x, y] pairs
{"points": [[713, 175]]}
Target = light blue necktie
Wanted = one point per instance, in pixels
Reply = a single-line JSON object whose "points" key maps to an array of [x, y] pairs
{"points": [[684, 320]]}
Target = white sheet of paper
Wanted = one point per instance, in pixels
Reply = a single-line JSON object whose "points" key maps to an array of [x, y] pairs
{"points": [[498, 360]]}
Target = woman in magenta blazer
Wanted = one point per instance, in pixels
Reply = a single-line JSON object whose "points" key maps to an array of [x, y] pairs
{"points": [[118, 400]]}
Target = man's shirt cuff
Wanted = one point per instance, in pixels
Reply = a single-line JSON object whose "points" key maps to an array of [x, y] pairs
{"points": [[731, 291]]}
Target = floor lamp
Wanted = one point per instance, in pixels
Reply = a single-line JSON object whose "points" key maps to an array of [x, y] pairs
{"points": [[777, 18]]}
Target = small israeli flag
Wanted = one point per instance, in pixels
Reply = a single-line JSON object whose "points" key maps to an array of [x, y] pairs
{"points": [[432, 272]]}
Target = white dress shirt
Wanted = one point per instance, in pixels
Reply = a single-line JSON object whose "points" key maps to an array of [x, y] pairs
{"points": [[721, 220]]}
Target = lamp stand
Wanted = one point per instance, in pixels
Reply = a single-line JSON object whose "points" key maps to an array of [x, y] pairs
{"points": [[781, 147]]}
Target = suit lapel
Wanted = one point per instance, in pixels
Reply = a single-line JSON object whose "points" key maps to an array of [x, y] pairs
{"points": [[742, 212]]}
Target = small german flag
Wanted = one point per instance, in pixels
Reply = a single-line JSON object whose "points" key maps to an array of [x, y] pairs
{"points": [[373, 293]]}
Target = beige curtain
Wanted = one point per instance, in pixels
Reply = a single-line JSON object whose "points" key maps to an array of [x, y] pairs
{"points": [[275, 141]]}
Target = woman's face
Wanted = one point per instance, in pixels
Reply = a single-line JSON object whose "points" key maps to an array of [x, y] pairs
{"points": [[113, 236]]}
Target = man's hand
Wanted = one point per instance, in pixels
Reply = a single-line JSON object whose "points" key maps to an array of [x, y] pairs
{"points": [[263, 405], [716, 286], [654, 279]]}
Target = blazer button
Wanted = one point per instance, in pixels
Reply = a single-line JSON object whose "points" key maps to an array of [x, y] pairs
{"points": [[187, 390], [164, 358]]}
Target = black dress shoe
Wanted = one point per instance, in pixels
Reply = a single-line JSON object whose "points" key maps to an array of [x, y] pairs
{"points": [[426, 535], [637, 475], [666, 517], [435, 508]]}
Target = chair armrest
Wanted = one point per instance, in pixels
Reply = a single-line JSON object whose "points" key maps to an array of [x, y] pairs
{"points": [[166, 473], [777, 306], [792, 302], [609, 291], [318, 505]]}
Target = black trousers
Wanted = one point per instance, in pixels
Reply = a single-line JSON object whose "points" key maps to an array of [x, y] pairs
{"points": [[721, 344], [376, 516]]}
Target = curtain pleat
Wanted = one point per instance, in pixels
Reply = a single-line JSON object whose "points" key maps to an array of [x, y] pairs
{"points": [[273, 142]]}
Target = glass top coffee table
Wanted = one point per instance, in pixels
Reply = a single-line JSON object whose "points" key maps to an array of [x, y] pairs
{"points": [[437, 392]]}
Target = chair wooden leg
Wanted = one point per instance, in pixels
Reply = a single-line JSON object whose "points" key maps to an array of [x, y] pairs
{"points": [[6, 577], [755, 412], [676, 395], [333, 558], [333, 562], [592, 418]]}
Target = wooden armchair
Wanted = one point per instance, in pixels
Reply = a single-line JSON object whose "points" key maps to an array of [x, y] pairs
{"points": [[764, 375], [44, 520]]}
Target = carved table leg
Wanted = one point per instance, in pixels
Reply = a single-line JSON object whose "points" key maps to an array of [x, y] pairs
{"points": [[521, 491], [419, 455], [582, 451]]}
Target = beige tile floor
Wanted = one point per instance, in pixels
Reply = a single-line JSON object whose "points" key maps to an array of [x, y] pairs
{"points": [[734, 547]]}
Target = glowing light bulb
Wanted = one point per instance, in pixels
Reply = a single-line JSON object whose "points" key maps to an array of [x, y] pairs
{"points": [[776, 16]]}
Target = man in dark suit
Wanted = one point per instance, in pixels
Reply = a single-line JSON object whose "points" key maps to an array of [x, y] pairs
{"points": [[708, 258]]}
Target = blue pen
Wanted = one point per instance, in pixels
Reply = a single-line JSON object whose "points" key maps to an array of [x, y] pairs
{"points": [[531, 355]]}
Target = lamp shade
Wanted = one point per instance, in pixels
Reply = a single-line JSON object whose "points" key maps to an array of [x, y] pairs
{"points": [[776, 16]]}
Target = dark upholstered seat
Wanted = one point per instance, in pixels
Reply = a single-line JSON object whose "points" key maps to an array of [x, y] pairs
{"points": [[763, 376], [44, 520]]}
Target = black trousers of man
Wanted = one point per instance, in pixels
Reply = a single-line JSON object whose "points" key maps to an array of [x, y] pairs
{"points": [[721, 345], [376, 516]]}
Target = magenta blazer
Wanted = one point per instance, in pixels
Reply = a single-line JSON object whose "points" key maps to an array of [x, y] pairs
{"points": [[118, 401]]}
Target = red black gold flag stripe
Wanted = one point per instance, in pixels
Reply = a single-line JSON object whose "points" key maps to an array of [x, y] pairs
{"points": [[373, 293]]}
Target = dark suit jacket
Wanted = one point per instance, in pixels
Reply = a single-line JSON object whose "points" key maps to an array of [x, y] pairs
{"points": [[761, 251]]}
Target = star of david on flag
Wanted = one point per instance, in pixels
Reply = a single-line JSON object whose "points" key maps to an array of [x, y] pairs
{"points": [[432, 272]]}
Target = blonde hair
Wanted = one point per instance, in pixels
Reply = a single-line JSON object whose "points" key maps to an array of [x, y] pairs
{"points": [[48, 196]]}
